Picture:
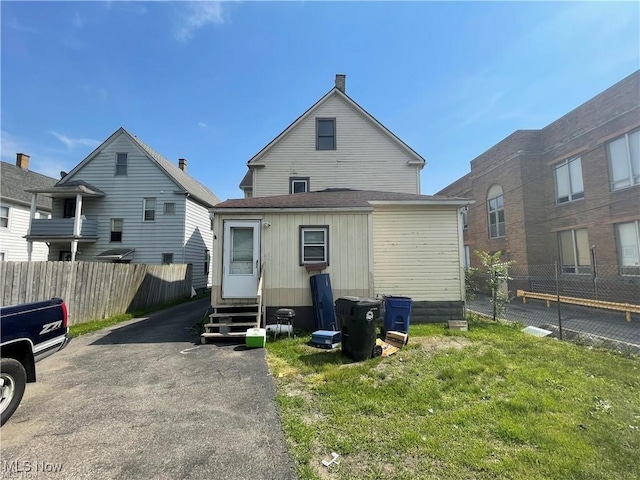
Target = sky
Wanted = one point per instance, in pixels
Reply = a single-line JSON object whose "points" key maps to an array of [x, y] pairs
{"points": [[214, 82]]}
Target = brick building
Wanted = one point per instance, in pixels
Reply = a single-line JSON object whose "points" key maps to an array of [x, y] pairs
{"points": [[569, 192]]}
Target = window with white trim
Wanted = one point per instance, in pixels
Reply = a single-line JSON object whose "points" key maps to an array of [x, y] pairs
{"points": [[167, 258], [149, 209], [298, 184], [4, 216], [624, 160], [495, 211], [569, 185], [314, 244], [628, 241], [465, 211], [121, 163], [3, 256], [575, 255], [207, 261], [169, 208], [116, 229]]}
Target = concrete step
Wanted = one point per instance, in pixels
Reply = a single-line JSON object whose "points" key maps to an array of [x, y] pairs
{"points": [[234, 314]]}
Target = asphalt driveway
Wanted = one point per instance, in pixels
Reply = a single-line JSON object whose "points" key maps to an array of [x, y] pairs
{"points": [[145, 400]]}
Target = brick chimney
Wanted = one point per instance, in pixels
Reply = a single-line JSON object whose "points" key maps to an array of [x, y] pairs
{"points": [[182, 164], [341, 82], [22, 161]]}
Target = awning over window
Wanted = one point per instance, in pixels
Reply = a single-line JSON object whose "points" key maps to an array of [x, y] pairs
{"points": [[115, 254]]}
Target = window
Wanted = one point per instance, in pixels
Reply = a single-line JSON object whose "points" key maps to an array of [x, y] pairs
{"points": [[3, 256], [624, 160], [116, 229], [121, 163], [569, 181], [65, 256], [314, 244], [575, 255], [69, 208], [467, 258], [495, 209], [326, 134], [464, 217], [298, 184], [169, 208], [42, 215], [4, 217], [167, 258], [628, 237], [207, 261], [149, 209]]}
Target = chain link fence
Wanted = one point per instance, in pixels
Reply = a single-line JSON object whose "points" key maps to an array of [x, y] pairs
{"points": [[597, 304]]}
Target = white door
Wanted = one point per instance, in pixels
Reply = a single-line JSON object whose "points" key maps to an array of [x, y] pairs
{"points": [[241, 258]]}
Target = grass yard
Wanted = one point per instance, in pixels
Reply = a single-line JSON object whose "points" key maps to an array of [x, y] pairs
{"points": [[491, 403]]}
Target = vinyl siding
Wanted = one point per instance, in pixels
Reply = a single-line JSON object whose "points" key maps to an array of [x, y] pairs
{"points": [[364, 159], [124, 199], [286, 282], [12, 241], [423, 262], [198, 238]]}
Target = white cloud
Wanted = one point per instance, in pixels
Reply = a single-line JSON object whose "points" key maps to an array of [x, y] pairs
{"points": [[202, 124], [39, 162], [197, 15], [78, 20], [14, 24], [72, 143]]}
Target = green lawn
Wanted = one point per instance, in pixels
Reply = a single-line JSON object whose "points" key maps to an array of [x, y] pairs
{"points": [[491, 403]]}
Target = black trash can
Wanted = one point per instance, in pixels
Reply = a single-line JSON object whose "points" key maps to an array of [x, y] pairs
{"points": [[358, 318]]}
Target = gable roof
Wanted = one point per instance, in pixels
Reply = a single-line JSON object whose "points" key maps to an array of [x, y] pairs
{"points": [[189, 184], [15, 181], [335, 92], [247, 180], [337, 198]]}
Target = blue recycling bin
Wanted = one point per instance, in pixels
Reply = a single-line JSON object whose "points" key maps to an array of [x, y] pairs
{"points": [[397, 312]]}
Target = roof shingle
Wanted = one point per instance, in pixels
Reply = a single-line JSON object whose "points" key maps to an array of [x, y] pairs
{"points": [[14, 181], [332, 198]]}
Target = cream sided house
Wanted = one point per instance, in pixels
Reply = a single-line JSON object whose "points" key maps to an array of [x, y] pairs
{"points": [[127, 203], [15, 209], [337, 193]]}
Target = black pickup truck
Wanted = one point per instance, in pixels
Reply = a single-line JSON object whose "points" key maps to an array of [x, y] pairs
{"points": [[28, 333]]}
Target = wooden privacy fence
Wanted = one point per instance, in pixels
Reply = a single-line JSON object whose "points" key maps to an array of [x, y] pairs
{"points": [[94, 290]]}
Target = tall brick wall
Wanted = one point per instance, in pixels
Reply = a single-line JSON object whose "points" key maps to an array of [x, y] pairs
{"points": [[523, 165]]}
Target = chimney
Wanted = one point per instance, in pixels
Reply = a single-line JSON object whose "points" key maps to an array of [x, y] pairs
{"points": [[22, 161], [182, 164], [341, 82]]}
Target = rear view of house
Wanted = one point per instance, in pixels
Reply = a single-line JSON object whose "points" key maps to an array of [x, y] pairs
{"points": [[337, 192], [127, 203]]}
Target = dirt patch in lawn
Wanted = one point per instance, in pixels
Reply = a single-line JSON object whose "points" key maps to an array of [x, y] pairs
{"points": [[435, 344]]}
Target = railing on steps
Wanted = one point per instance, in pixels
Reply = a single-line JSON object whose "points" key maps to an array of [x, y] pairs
{"points": [[261, 316]]}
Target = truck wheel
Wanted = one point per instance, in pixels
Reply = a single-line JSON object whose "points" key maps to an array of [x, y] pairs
{"points": [[13, 380]]}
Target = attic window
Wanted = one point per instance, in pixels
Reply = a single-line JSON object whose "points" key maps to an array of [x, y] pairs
{"points": [[298, 184], [121, 163], [325, 133]]}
